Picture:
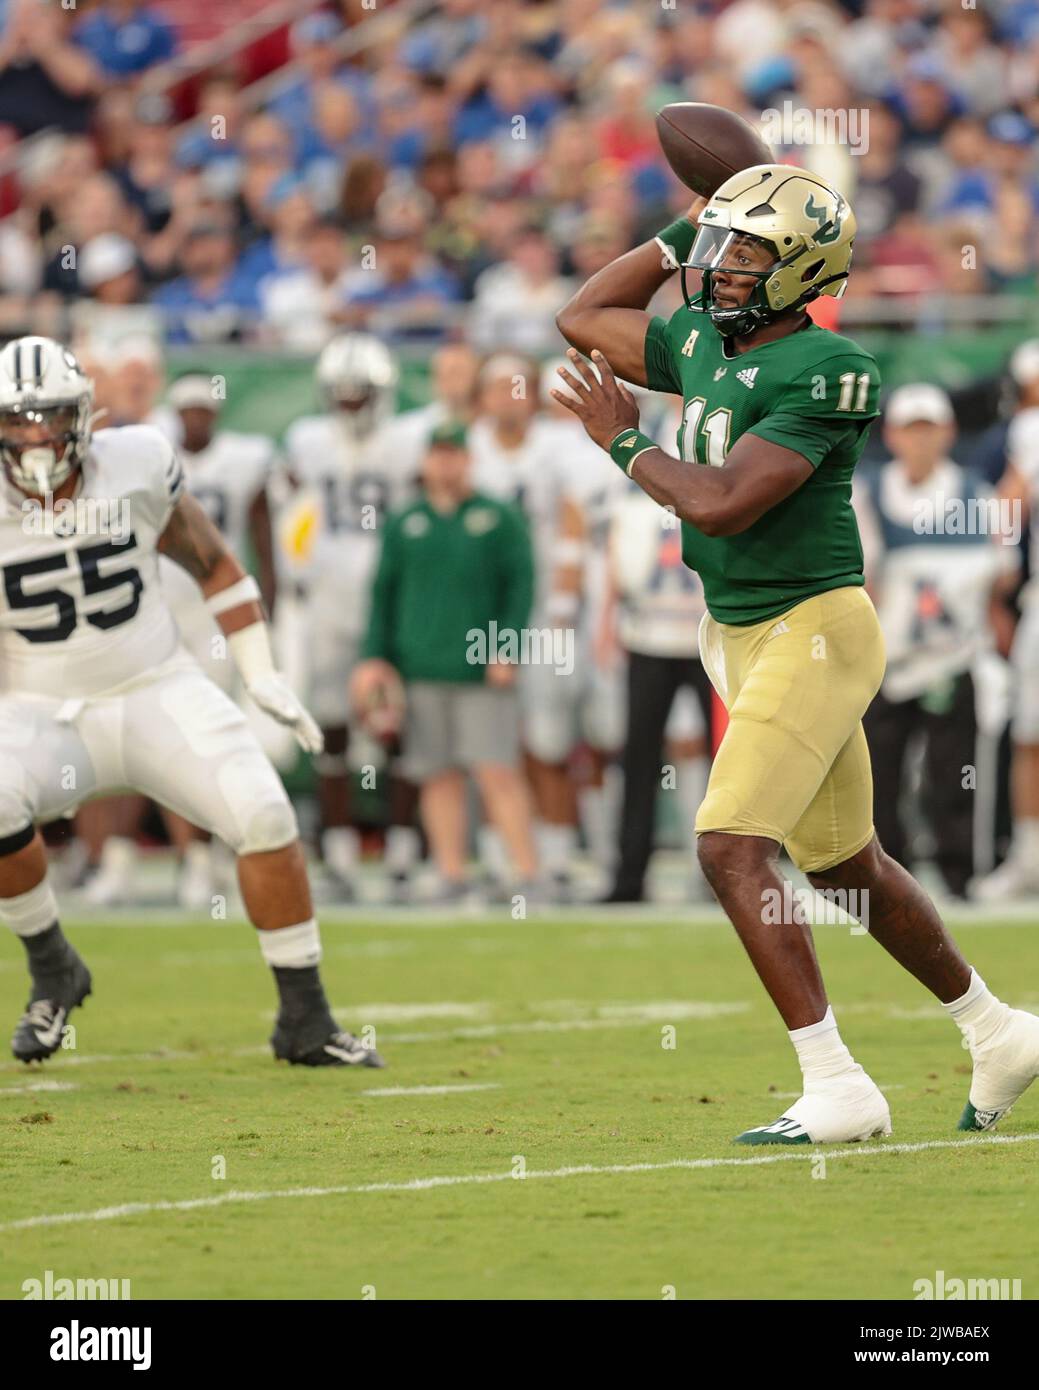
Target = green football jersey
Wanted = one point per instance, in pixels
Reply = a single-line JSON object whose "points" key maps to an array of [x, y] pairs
{"points": [[814, 392]]}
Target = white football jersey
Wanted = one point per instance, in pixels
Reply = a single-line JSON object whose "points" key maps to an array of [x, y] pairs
{"points": [[932, 586], [536, 476], [81, 607], [355, 486], [661, 598], [1023, 453], [405, 438], [224, 478]]}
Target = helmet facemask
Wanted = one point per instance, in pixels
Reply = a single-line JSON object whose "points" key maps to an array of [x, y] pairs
{"points": [[41, 465], [783, 229], [355, 405], [719, 248]]}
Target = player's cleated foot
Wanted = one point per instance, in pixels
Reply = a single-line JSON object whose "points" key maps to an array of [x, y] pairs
{"points": [[401, 892], [1005, 1065], [39, 1031], [1015, 878], [619, 893], [336, 1049], [839, 1110]]}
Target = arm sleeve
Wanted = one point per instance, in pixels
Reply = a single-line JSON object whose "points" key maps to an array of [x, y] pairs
{"points": [[516, 567], [828, 404], [382, 615], [661, 366]]}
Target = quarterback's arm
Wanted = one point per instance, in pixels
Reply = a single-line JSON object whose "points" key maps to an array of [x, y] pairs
{"points": [[611, 306], [757, 474], [233, 598]]}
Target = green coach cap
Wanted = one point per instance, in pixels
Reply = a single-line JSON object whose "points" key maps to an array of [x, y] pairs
{"points": [[451, 434]]}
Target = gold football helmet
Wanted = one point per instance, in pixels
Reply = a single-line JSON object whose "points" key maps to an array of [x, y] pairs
{"points": [[807, 227]]}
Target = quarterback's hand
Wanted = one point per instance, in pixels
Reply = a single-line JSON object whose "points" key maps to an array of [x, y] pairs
{"points": [[603, 404], [275, 697]]}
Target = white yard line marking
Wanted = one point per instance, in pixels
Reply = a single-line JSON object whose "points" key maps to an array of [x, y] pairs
{"points": [[431, 1090], [649, 1013], [468, 1179], [38, 1086], [408, 1013]]}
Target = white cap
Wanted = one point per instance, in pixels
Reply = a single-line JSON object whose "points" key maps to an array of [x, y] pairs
{"points": [[193, 392], [136, 347], [918, 401], [1024, 365], [508, 364], [104, 258]]}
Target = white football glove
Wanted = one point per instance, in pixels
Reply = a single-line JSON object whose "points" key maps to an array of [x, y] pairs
{"points": [[251, 649], [273, 694]]}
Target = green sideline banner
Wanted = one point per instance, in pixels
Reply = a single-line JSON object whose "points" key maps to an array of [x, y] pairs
{"points": [[266, 391]]}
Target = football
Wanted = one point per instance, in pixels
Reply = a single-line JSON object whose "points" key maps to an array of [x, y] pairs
{"points": [[706, 144]]}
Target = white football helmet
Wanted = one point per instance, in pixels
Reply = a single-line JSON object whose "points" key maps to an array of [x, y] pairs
{"points": [[46, 413], [357, 379]]}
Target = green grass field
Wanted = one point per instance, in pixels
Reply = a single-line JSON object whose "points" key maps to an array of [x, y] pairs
{"points": [[548, 1037]]}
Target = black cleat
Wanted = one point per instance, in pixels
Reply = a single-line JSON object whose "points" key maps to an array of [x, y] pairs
{"points": [[41, 1028], [336, 1050]]}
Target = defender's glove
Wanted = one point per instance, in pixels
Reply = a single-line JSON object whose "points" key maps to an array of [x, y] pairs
{"points": [[251, 649]]}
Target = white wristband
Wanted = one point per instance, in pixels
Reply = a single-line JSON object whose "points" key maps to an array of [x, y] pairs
{"points": [[243, 591], [250, 649]]}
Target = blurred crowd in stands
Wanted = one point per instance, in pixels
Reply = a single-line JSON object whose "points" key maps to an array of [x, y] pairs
{"points": [[409, 169]]}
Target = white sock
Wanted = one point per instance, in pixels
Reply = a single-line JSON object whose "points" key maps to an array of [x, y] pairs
{"points": [[118, 855], [490, 848], [295, 947], [978, 1012], [30, 913], [820, 1050], [198, 856], [556, 846], [403, 846], [341, 849], [594, 811], [1026, 840]]}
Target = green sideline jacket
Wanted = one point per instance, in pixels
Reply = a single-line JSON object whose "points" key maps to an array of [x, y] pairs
{"points": [[443, 577]]}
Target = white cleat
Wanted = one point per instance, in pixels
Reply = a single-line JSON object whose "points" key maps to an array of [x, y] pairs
{"points": [[1005, 1065], [839, 1110], [1011, 881]]}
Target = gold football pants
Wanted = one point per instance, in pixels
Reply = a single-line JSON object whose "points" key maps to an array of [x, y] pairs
{"points": [[793, 765]]}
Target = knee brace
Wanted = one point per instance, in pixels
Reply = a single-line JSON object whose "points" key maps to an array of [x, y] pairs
{"points": [[256, 815], [271, 825]]}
